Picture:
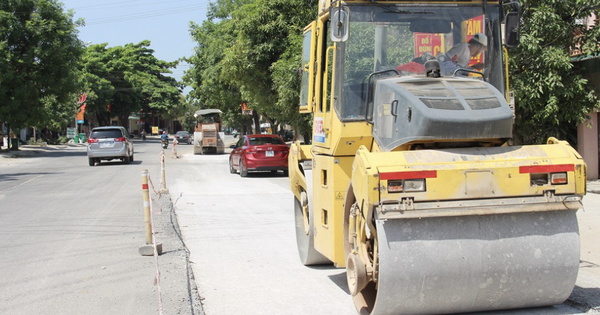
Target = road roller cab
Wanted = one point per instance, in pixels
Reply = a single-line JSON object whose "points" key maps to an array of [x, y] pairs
{"points": [[410, 181]]}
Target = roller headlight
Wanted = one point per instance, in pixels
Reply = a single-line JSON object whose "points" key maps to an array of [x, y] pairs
{"points": [[414, 185], [407, 185]]}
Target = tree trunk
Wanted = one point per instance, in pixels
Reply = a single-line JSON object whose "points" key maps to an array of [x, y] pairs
{"points": [[256, 120], [9, 144]]}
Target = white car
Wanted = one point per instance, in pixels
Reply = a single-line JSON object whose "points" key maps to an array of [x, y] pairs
{"points": [[108, 143]]}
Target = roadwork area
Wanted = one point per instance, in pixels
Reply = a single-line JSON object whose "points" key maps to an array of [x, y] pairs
{"points": [[228, 242], [586, 295], [241, 238]]}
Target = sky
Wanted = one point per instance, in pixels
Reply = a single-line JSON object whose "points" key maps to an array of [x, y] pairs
{"points": [[164, 22]]}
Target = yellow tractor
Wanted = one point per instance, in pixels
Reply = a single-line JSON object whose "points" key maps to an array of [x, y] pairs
{"points": [[409, 181]]}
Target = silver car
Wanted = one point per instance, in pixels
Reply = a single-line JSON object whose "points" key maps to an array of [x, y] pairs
{"points": [[108, 143]]}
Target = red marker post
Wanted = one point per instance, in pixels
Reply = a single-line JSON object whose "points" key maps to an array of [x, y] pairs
{"points": [[163, 180], [149, 248], [175, 142]]}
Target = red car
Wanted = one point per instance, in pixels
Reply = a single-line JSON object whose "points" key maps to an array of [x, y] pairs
{"points": [[259, 153]]}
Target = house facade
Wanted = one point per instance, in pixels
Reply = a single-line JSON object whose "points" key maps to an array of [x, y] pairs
{"points": [[588, 132]]}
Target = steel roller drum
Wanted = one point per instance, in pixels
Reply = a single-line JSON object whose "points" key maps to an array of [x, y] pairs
{"points": [[305, 241], [475, 263]]}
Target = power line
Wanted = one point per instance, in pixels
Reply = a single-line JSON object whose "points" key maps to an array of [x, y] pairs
{"points": [[144, 15], [103, 4], [120, 4]]}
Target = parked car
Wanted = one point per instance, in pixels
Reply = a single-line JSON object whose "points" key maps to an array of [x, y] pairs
{"points": [[108, 143], [183, 136], [264, 152]]}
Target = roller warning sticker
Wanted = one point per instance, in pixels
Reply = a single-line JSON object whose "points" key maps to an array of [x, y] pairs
{"points": [[546, 168], [318, 131]]}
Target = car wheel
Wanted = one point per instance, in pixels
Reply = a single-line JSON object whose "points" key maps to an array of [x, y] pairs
{"points": [[231, 169], [243, 170], [131, 158], [126, 159], [91, 161]]}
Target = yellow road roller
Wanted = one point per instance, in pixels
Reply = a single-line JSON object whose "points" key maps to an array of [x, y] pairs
{"points": [[410, 180]]}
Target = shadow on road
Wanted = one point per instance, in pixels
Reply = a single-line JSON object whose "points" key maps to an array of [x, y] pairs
{"points": [[118, 162], [17, 176], [38, 151], [585, 299], [264, 174], [341, 281]]}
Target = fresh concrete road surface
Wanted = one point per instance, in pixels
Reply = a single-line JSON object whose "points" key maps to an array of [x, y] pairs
{"points": [[240, 232]]}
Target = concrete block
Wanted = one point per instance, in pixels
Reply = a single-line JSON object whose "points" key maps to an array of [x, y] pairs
{"points": [[148, 249]]}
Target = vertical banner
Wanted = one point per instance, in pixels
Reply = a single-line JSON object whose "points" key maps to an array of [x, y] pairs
{"points": [[436, 43], [80, 114], [431, 43], [470, 28], [246, 110], [79, 118]]}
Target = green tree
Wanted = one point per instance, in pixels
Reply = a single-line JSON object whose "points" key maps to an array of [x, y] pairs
{"points": [[129, 78], [552, 96], [265, 32], [250, 51], [210, 81], [39, 55], [286, 82]]}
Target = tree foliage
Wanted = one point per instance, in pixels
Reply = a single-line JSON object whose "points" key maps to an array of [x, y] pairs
{"points": [[128, 78], [39, 54], [211, 87], [248, 51], [551, 94]]}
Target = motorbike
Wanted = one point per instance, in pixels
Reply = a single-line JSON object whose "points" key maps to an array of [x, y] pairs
{"points": [[164, 143]]}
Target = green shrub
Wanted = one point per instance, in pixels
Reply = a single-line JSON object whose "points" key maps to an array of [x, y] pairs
{"points": [[63, 139], [38, 142]]}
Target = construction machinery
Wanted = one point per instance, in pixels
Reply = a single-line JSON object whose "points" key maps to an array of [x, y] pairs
{"points": [[409, 180], [208, 136]]}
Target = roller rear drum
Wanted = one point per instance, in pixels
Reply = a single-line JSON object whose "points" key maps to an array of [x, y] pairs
{"points": [[473, 263]]}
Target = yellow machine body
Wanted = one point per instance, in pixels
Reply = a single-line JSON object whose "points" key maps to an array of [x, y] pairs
{"points": [[421, 176]]}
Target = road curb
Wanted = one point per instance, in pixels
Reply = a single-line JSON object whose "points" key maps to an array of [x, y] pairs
{"points": [[171, 222]]}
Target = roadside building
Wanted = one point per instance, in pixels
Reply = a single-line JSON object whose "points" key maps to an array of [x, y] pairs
{"points": [[588, 132]]}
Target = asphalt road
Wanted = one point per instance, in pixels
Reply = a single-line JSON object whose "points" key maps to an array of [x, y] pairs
{"points": [[69, 237], [70, 233]]}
